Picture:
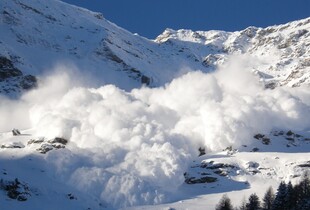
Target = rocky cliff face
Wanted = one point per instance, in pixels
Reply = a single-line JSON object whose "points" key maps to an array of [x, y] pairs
{"points": [[12, 80]]}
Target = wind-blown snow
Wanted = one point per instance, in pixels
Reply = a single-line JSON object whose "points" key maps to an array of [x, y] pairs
{"points": [[132, 148]]}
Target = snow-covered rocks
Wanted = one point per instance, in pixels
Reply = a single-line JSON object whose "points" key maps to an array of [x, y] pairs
{"points": [[13, 145], [40, 144], [46, 146], [200, 180]]}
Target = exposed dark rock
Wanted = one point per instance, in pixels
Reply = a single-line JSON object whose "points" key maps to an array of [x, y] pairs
{"points": [[26, 7], [221, 172], [211, 165], [289, 133], [99, 16], [305, 165], [271, 85], [58, 140], [230, 150], [266, 140], [250, 32], [7, 69], [210, 61], [18, 82], [13, 145], [110, 55], [145, 80], [35, 141], [220, 165], [204, 174], [58, 146], [252, 164], [28, 82], [15, 132], [71, 196], [216, 166], [258, 136], [204, 179], [15, 189], [45, 148], [252, 167], [202, 151], [9, 18], [255, 149]]}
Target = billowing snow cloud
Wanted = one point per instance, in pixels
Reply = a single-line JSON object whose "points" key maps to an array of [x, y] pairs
{"points": [[132, 148]]}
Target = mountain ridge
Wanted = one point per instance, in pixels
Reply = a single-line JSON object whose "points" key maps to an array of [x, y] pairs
{"points": [[113, 55]]}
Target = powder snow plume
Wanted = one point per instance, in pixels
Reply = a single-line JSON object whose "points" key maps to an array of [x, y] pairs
{"points": [[132, 148]]}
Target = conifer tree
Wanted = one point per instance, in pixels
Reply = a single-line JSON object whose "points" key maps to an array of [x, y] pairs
{"points": [[290, 199], [279, 202], [224, 203], [268, 199], [253, 203], [303, 193], [243, 205]]}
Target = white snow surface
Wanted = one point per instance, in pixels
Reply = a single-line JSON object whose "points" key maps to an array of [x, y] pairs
{"points": [[132, 146]]}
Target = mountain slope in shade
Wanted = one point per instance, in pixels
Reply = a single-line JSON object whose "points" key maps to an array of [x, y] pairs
{"points": [[39, 35]]}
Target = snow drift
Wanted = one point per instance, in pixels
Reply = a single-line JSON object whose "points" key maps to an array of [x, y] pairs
{"points": [[132, 148]]}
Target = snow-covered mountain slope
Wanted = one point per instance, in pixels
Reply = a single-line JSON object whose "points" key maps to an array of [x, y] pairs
{"points": [[93, 138], [280, 54], [39, 35]]}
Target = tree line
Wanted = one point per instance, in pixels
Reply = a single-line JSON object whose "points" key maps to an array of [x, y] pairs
{"points": [[287, 197]]}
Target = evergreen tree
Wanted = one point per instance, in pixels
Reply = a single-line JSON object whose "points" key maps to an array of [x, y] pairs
{"points": [[243, 205], [303, 190], [268, 199], [224, 204], [254, 203], [279, 202], [290, 199]]}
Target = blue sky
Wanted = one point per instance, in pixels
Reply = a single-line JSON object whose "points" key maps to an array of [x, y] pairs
{"points": [[149, 18]]}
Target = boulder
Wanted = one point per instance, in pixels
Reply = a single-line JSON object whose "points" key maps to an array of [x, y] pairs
{"points": [[15, 132], [204, 179], [58, 140]]}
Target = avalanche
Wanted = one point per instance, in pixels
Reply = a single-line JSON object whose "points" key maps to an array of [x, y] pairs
{"points": [[119, 121], [132, 148]]}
